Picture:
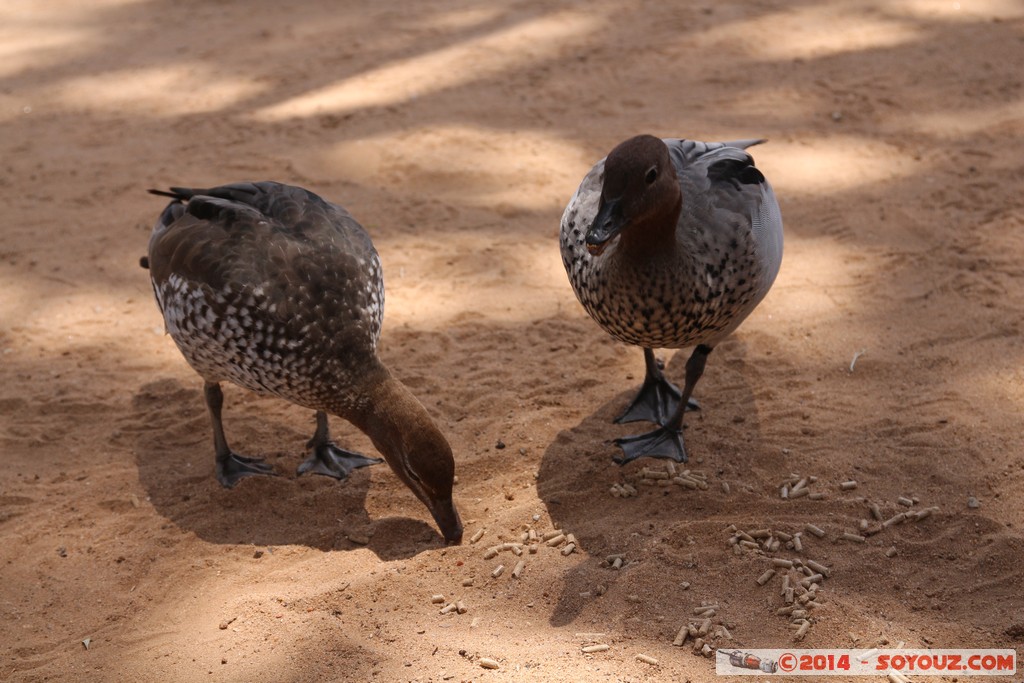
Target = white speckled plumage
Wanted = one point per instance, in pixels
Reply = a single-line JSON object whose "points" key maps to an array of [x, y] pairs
{"points": [[729, 238]]}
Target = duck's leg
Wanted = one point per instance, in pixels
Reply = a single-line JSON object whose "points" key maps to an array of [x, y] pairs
{"points": [[667, 441], [231, 467], [657, 399], [327, 457]]}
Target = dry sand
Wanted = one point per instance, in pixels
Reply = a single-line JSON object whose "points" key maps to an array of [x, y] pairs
{"points": [[456, 131]]}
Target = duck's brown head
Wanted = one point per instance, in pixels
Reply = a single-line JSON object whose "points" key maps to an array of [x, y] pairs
{"points": [[640, 192]]}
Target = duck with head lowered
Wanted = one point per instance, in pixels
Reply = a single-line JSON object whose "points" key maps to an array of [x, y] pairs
{"points": [[671, 243], [272, 288]]}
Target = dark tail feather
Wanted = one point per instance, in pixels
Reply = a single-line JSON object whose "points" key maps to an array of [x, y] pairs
{"points": [[180, 193]]}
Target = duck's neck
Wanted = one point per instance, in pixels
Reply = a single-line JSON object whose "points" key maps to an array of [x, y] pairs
{"points": [[654, 236], [386, 411]]}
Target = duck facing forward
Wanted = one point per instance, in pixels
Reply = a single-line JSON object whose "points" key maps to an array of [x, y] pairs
{"points": [[272, 288], [670, 244]]}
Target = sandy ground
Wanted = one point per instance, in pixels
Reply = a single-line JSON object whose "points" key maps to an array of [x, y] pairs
{"points": [[456, 132]]}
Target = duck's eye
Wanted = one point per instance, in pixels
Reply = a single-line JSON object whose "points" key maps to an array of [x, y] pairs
{"points": [[652, 175]]}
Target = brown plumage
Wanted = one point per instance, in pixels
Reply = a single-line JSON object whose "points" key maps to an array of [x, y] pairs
{"points": [[272, 288]]}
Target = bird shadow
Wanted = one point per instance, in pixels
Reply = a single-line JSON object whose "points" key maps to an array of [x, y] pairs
{"points": [[169, 431], [577, 472]]}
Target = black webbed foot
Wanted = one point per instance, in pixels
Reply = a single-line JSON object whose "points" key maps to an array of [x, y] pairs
{"points": [[332, 461], [232, 468], [663, 442], [328, 458], [657, 399]]}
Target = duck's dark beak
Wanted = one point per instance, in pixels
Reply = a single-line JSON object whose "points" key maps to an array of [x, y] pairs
{"points": [[447, 518], [607, 224]]}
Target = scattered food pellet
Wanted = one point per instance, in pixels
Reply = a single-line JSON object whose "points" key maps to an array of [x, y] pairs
{"points": [[437, 599], [466, 583], [450, 607], [820, 533], [891, 552], [818, 567], [895, 519], [973, 503], [488, 663], [856, 538], [601, 647], [766, 577], [518, 570], [555, 540], [460, 607], [647, 660], [848, 485], [569, 549], [903, 500], [477, 536], [498, 570]]}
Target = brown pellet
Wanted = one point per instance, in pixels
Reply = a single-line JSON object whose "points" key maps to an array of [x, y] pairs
{"points": [[477, 536], [817, 495], [798, 486], [903, 500], [766, 577], [450, 607], [600, 647], [705, 626], [780, 562], [876, 511], [647, 660], [437, 599], [848, 485], [725, 487], [555, 540], [467, 582], [491, 552], [699, 611], [820, 533], [461, 608], [815, 578], [569, 549], [617, 564], [784, 536], [551, 534], [818, 567], [798, 544], [759, 533], [517, 571], [685, 482], [891, 552], [498, 571], [488, 663], [799, 493], [802, 631], [681, 636], [895, 519], [856, 538]]}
